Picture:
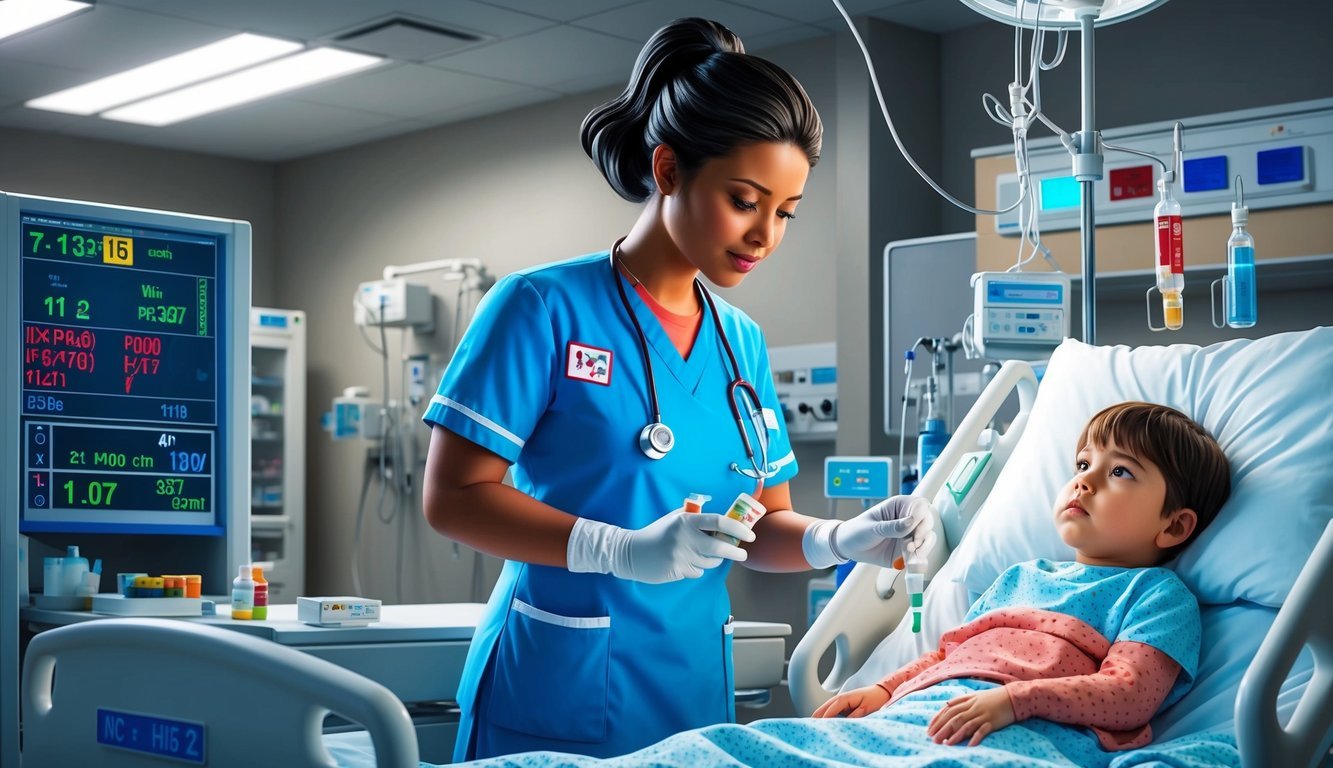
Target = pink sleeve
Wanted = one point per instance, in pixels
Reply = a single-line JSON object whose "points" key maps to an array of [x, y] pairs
{"points": [[1117, 701], [911, 670]]}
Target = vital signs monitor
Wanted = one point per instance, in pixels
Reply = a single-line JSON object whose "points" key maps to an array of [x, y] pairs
{"points": [[126, 372]]}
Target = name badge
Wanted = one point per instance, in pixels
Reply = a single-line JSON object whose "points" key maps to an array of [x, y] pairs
{"points": [[585, 363], [770, 419]]}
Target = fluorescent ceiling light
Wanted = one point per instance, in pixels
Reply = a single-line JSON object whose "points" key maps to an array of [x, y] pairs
{"points": [[248, 85], [227, 55], [18, 15]]}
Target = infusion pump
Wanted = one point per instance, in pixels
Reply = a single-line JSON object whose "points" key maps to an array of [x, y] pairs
{"points": [[1019, 315]]}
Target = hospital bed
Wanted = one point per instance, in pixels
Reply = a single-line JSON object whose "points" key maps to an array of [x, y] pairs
{"points": [[1264, 688]]}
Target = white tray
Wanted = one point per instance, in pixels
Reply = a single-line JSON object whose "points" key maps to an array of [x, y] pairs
{"points": [[119, 605]]}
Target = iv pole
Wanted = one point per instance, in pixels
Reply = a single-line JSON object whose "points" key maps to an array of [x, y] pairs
{"points": [[1088, 161]]}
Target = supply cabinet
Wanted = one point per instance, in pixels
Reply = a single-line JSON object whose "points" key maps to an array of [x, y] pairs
{"points": [[277, 449]]}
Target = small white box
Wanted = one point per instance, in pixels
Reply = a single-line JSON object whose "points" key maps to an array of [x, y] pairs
{"points": [[394, 303], [337, 611]]}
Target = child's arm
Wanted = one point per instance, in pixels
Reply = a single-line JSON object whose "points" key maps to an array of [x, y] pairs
{"points": [[1124, 693], [862, 701], [910, 670], [1121, 696]]}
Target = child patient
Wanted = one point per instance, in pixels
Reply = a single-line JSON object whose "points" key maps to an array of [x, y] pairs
{"points": [[1105, 641]]}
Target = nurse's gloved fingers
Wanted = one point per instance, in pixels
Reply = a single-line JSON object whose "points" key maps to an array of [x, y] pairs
{"points": [[706, 563], [922, 544], [724, 524], [717, 548]]}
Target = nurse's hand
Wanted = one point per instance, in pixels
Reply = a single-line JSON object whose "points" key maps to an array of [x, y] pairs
{"points": [[893, 528], [673, 547]]}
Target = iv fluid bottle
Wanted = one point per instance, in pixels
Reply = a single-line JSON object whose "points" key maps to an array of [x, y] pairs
{"points": [[1170, 256], [243, 594], [930, 443], [1242, 304]]}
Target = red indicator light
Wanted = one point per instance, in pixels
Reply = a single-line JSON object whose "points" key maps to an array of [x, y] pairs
{"points": [[1131, 183]]}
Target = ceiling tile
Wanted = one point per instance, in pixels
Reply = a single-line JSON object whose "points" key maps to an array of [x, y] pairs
{"points": [[311, 20], [413, 90], [107, 40], [481, 108], [281, 152], [564, 10], [798, 10], [37, 120], [25, 80], [755, 43], [542, 59], [638, 22], [246, 130], [932, 16]]}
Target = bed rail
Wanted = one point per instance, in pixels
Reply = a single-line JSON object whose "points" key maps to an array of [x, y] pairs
{"points": [[1305, 619], [260, 703], [866, 607]]}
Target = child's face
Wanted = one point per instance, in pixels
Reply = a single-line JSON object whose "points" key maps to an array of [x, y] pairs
{"points": [[1111, 511]]}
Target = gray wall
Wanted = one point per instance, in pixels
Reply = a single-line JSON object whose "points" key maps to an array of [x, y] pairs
{"points": [[34, 163]]}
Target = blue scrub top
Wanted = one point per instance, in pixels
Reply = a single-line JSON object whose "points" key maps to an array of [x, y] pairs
{"points": [[551, 377]]}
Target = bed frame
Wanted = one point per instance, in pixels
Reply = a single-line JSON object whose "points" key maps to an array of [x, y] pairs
{"points": [[259, 703], [871, 601]]}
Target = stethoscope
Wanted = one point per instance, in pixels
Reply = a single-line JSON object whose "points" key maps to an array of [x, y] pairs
{"points": [[656, 439]]}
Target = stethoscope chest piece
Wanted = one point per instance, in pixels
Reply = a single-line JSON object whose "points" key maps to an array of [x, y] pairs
{"points": [[656, 440]]}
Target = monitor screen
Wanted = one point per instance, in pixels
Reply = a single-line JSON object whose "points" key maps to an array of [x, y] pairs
{"points": [[123, 392], [1008, 292]]}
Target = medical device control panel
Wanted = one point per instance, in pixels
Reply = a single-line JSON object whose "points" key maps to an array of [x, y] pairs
{"points": [[1283, 155], [1019, 315], [122, 406], [805, 377], [858, 477]]}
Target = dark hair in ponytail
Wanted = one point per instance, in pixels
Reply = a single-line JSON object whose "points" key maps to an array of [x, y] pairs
{"points": [[694, 89]]}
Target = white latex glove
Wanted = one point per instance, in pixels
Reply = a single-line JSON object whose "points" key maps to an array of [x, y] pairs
{"points": [[672, 547], [893, 528]]}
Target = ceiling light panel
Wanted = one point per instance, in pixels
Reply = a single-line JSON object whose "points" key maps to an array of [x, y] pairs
{"points": [[18, 15], [245, 86], [227, 55]]}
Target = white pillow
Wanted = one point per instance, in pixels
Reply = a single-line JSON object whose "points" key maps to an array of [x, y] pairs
{"points": [[1269, 404]]}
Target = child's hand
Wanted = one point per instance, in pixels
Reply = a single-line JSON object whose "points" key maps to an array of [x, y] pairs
{"points": [[857, 703], [976, 714]]}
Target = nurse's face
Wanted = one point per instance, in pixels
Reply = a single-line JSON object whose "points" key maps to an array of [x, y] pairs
{"points": [[731, 213]]}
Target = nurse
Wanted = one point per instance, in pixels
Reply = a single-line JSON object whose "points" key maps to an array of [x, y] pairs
{"points": [[615, 384]]}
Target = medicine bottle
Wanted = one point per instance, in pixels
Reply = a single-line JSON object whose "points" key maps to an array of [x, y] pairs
{"points": [[261, 593], [243, 594]]}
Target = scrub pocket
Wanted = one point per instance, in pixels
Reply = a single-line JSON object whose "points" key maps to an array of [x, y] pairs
{"points": [[729, 676], [550, 674]]}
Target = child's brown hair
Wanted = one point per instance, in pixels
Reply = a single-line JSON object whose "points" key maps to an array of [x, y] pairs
{"points": [[1196, 471]]}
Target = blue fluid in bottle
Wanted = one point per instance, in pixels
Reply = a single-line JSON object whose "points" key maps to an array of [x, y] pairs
{"points": [[930, 443], [1242, 304]]}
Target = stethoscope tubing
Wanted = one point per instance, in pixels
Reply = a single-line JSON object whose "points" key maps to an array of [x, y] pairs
{"points": [[737, 382]]}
